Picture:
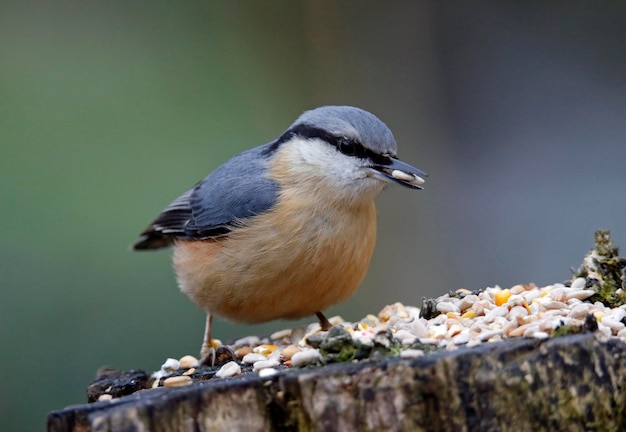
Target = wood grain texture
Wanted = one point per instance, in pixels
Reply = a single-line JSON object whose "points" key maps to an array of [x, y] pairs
{"points": [[573, 383]]}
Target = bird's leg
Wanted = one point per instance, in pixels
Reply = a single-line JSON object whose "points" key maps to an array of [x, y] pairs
{"points": [[324, 323], [212, 351], [207, 351]]}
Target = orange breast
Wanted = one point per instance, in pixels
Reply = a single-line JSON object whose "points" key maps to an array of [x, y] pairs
{"points": [[277, 266]]}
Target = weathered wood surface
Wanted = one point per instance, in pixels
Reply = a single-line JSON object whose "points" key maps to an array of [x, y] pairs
{"points": [[573, 383]]}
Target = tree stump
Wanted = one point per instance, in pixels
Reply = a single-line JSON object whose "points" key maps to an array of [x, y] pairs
{"points": [[573, 383]]}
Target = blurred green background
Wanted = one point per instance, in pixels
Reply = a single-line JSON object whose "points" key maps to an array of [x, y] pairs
{"points": [[109, 110]]}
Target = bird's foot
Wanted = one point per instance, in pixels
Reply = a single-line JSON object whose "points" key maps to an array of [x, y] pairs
{"points": [[216, 354]]}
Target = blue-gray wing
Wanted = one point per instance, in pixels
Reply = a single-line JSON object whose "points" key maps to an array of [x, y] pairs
{"points": [[237, 190]]}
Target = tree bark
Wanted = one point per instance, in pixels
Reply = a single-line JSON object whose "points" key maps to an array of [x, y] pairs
{"points": [[573, 383]]}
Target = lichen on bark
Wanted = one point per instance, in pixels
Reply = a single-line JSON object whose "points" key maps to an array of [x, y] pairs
{"points": [[603, 270]]}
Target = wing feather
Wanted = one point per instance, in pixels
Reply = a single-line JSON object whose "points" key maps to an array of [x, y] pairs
{"points": [[237, 190]]}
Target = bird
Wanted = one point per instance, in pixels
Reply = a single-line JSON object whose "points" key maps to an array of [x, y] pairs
{"points": [[286, 229]]}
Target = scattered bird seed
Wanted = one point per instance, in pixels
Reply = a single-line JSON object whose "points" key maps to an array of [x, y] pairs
{"points": [[288, 352], [445, 307], [264, 364], [177, 381], [502, 296], [243, 351], [230, 369], [281, 334], [187, 362], [170, 365], [265, 349], [305, 358], [460, 318], [248, 341], [253, 358], [578, 283], [267, 372]]}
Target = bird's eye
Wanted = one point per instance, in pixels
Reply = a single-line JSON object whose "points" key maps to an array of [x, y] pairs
{"points": [[347, 147]]}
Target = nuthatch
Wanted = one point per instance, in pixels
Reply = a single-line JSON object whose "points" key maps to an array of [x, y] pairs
{"points": [[286, 229]]}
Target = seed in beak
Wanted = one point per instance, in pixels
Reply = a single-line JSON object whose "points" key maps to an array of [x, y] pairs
{"points": [[407, 177]]}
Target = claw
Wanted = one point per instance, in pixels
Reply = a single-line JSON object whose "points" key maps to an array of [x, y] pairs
{"points": [[217, 356], [213, 352]]}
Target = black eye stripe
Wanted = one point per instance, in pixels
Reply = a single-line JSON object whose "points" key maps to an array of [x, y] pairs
{"points": [[345, 145], [354, 148]]}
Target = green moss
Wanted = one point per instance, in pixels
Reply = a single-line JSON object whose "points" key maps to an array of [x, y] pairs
{"points": [[339, 346], [603, 270], [590, 325], [566, 330]]}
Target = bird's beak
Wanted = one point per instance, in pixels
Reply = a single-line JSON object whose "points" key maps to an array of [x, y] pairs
{"points": [[399, 172]]}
